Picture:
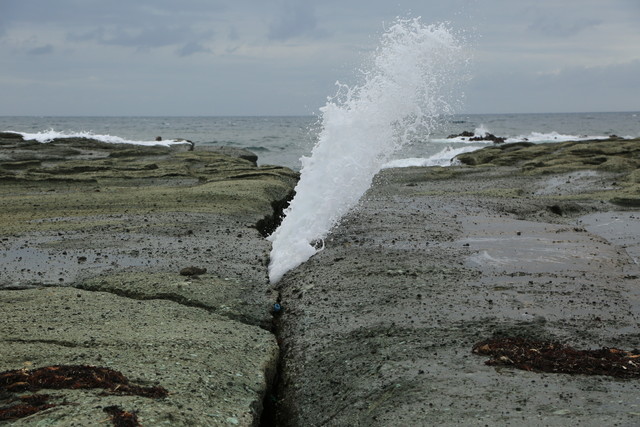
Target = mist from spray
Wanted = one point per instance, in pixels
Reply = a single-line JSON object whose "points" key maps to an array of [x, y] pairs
{"points": [[405, 92]]}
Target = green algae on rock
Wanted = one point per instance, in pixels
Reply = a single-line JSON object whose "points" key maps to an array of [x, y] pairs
{"points": [[612, 157], [87, 177], [213, 367], [93, 237]]}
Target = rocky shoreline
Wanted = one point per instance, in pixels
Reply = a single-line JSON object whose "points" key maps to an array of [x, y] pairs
{"points": [[540, 242], [93, 238]]}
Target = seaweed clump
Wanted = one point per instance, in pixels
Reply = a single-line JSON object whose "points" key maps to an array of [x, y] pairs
{"points": [[122, 418], [59, 377], [553, 357], [27, 405]]}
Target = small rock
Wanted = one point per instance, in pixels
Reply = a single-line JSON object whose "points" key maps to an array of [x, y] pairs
{"points": [[192, 271]]}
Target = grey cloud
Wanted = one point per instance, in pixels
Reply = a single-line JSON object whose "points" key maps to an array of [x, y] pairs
{"points": [[191, 48], [141, 24], [233, 34], [603, 88], [297, 19], [561, 28], [615, 77], [123, 12], [147, 38], [525, 51], [41, 50], [96, 34]]}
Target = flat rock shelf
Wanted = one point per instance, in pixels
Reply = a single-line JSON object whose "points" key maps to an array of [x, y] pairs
{"points": [[379, 327], [93, 238]]}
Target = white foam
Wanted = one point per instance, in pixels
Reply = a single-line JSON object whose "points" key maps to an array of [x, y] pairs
{"points": [[51, 134], [443, 158], [535, 137], [540, 137], [481, 131], [402, 97]]}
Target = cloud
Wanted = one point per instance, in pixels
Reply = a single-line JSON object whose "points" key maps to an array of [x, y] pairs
{"points": [[141, 24], [530, 55], [91, 35], [145, 38], [113, 12], [556, 27], [297, 19], [191, 48], [568, 89], [233, 34], [41, 50], [149, 37]]}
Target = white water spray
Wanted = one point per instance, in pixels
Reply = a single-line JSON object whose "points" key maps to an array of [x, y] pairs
{"points": [[403, 95]]}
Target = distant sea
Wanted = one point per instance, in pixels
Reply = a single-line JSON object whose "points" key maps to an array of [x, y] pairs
{"points": [[283, 140]]}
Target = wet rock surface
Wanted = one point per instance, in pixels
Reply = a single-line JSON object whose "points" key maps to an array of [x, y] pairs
{"points": [[214, 369], [379, 327], [537, 243], [93, 238], [613, 154]]}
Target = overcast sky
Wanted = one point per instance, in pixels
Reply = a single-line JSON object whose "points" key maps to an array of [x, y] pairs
{"points": [[283, 57]]}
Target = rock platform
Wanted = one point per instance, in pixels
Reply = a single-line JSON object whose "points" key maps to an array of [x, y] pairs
{"points": [[540, 242], [93, 237]]}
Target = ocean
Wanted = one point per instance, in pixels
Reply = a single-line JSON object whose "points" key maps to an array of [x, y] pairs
{"points": [[284, 140]]}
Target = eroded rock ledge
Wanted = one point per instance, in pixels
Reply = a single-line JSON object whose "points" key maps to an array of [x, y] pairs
{"points": [[378, 328], [92, 239]]}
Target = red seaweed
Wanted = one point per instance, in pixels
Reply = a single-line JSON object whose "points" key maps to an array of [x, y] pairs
{"points": [[64, 377], [122, 418], [554, 357], [28, 405]]}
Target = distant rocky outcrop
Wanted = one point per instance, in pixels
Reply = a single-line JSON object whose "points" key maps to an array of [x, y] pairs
{"points": [[615, 155], [473, 137]]}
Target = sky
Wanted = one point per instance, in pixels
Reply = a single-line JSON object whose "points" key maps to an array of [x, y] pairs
{"points": [[283, 57]]}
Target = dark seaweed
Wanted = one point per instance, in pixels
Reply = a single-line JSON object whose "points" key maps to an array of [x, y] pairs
{"points": [[553, 357], [122, 418], [63, 377], [27, 405]]}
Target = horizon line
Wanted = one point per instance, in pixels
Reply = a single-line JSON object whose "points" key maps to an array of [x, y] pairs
{"points": [[297, 115]]}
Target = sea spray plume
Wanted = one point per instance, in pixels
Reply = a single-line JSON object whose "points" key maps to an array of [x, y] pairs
{"points": [[402, 96]]}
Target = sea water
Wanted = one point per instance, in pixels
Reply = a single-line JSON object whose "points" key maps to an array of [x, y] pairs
{"points": [[284, 141], [276, 140]]}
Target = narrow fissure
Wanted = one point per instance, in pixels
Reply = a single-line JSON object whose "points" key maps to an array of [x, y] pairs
{"points": [[269, 416], [269, 223]]}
